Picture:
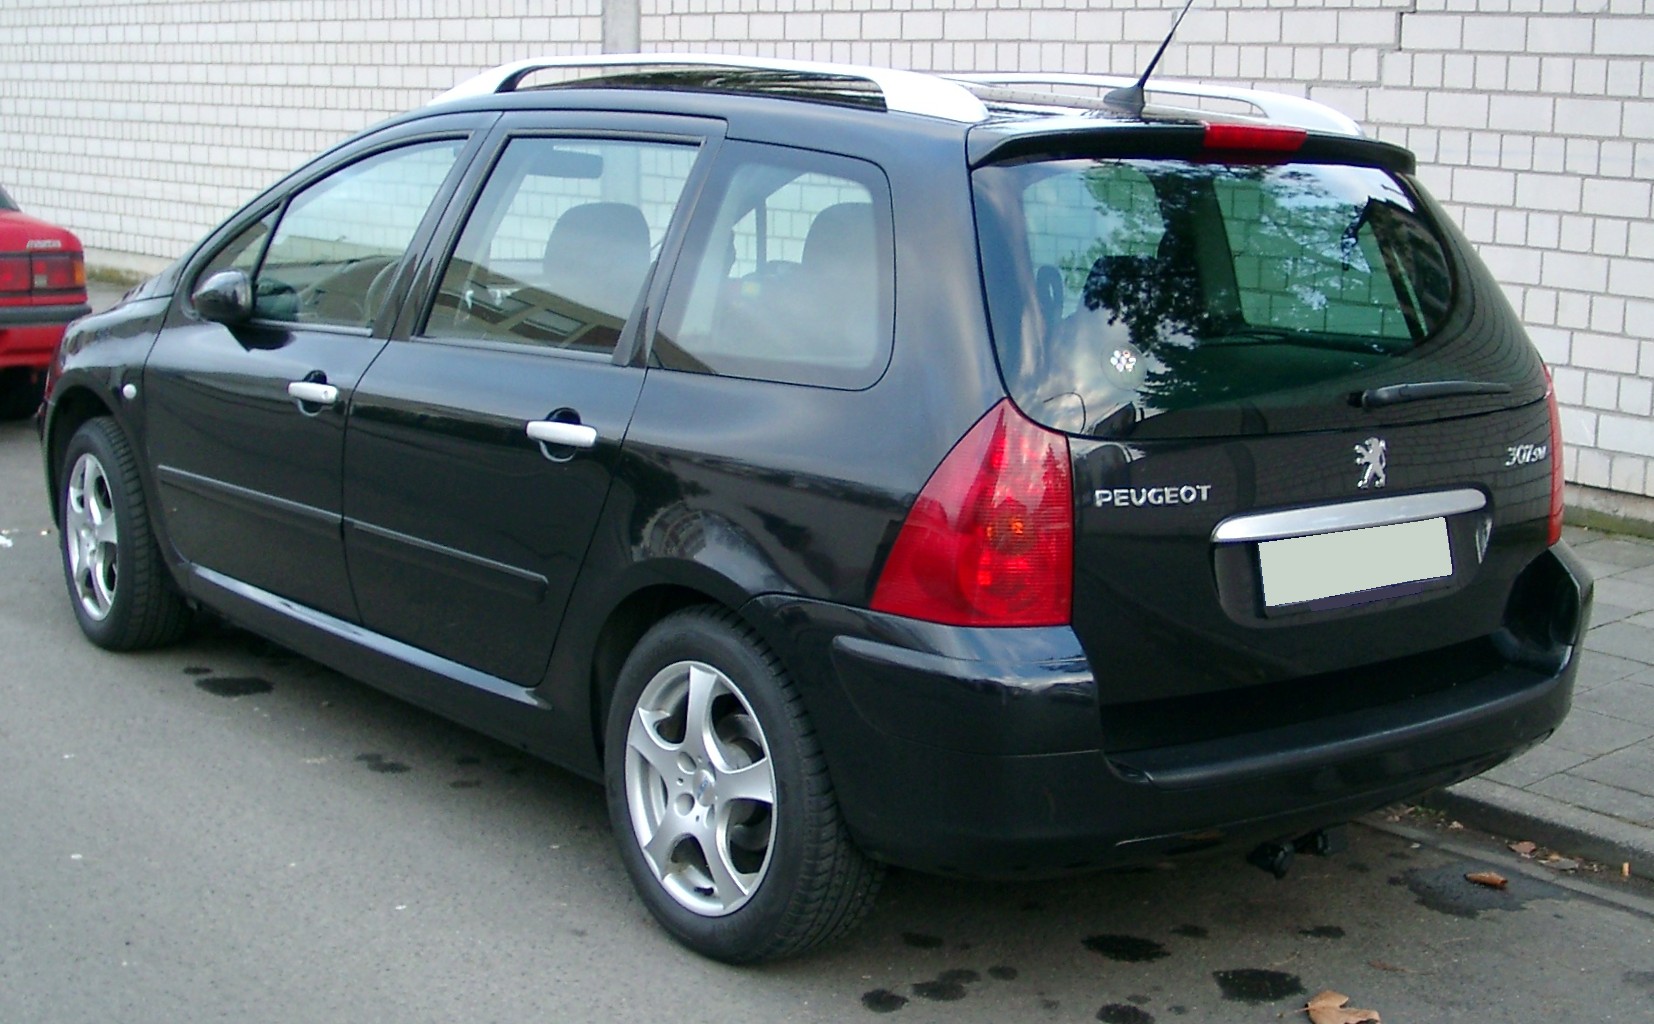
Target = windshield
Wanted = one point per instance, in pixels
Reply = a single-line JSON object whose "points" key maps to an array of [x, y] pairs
{"points": [[1124, 290], [6, 201]]}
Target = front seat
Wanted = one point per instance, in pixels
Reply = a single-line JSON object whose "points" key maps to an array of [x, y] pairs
{"points": [[597, 256]]}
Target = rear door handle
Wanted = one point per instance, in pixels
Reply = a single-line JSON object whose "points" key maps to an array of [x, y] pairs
{"points": [[564, 435], [312, 392]]}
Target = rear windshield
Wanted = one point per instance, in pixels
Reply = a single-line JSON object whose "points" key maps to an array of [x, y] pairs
{"points": [[1125, 290], [6, 201]]}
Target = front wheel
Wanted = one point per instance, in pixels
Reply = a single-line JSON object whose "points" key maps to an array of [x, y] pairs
{"points": [[720, 798], [118, 586]]}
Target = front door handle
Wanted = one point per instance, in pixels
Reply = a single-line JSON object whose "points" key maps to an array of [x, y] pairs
{"points": [[563, 435], [313, 392]]}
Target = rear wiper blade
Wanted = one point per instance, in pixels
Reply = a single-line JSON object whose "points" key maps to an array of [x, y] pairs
{"points": [[1395, 394]]}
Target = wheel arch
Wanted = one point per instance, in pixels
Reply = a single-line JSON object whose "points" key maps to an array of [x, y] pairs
{"points": [[624, 626], [71, 408]]}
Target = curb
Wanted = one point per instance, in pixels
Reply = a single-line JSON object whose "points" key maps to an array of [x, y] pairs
{"points": [[1517, 814]]}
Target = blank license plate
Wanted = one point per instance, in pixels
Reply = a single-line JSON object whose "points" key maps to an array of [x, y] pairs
{"points": [[1353, 561]]}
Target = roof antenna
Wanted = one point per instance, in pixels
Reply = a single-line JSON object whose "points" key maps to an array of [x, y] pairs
{"points": [[1129, 99]]}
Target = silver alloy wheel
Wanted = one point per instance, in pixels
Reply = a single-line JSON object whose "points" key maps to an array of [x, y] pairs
{"points": [[91, 536], [700, 788]]}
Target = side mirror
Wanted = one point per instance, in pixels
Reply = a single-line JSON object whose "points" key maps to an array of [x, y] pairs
{"points": [[225, 298]]}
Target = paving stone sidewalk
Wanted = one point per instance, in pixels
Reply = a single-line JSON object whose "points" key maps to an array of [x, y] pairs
{"points": [[1589, 789]]}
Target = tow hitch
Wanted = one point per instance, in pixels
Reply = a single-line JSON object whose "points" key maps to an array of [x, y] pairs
{"points": [[1276, 857]]}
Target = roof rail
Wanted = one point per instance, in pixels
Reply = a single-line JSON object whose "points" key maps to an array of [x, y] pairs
{"points": [[1291, 110], [907, 91], [958, 97]]}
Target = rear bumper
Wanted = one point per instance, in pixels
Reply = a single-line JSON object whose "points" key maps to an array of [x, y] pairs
{"points": [[37, 316], [29, 334], [980, 752]]}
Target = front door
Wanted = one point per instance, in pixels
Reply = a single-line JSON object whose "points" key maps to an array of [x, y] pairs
{"points": [[246, 424], [481, 448]]}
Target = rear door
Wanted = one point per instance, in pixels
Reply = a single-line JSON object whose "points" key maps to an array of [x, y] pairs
{"points": [[246, 424], [483, 439], [1309, 435]]}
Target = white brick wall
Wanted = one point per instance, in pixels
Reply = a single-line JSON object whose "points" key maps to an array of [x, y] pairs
{"points": [[140, 123]]}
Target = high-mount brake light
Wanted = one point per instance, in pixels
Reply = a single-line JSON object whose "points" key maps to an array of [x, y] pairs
{"points": [[1253, 138], [1553, 522], [990, 539]]}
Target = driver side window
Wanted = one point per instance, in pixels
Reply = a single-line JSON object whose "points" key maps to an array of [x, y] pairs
{"points": [[339, 241]]}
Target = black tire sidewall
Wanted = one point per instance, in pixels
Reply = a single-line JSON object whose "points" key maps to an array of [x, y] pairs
{"points": [[754, 931], [96, 438]]}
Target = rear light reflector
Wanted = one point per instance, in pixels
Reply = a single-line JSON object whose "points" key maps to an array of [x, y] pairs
{"points": [[1554, 520], [16, 276], [990, 539], [1254, 138]]}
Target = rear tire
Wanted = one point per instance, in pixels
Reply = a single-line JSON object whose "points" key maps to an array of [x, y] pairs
{"points": [[118, 585], [720, 799]]}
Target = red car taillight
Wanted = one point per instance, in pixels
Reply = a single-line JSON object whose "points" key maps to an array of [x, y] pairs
{"points": [[990, 540], [22, 273], [1554, 521], [58, 271], [16, 275]]}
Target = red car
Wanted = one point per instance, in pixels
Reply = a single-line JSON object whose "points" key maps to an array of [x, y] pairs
{"points": [[42, 288]]}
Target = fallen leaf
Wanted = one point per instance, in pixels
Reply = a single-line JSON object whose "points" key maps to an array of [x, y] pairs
{"points": [[1524, 848], [1560, 863], [1384, 965], [1455, 826], [1491, 879], [1329, 1008]]}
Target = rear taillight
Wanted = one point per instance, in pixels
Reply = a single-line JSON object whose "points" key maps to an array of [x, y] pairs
{"points": [[990, 540], [42, 272], [58, 271], [16, 276], [1554, 522]]}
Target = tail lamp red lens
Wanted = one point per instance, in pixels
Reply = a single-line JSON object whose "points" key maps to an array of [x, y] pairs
{"points": [[16, 275], [990, 540], [45, 272], [1554, 520], [64, 271]]}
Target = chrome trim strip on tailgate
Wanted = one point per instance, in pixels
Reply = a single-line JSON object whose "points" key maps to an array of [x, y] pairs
{"points": [[1349, 515]]}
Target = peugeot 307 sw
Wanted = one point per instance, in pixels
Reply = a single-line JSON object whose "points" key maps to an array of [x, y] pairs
{"points": [[854, 467]]}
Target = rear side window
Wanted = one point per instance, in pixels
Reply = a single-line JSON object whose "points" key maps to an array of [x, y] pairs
{"points": [[1124, 290], [559, 245], [789, 276]]}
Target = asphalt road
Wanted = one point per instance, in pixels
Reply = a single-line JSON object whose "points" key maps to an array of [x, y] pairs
{"points": [[225, 831]]}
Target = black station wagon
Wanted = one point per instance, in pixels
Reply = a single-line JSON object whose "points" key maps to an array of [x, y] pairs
{"points": [[855, 467]]}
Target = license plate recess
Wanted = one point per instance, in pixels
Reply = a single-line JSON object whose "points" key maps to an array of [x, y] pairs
{"points": [[1353, 566]]}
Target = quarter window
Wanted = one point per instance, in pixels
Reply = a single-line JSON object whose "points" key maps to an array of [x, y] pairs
{"points": [[560, 243], [790, 277], [339, 241]]}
